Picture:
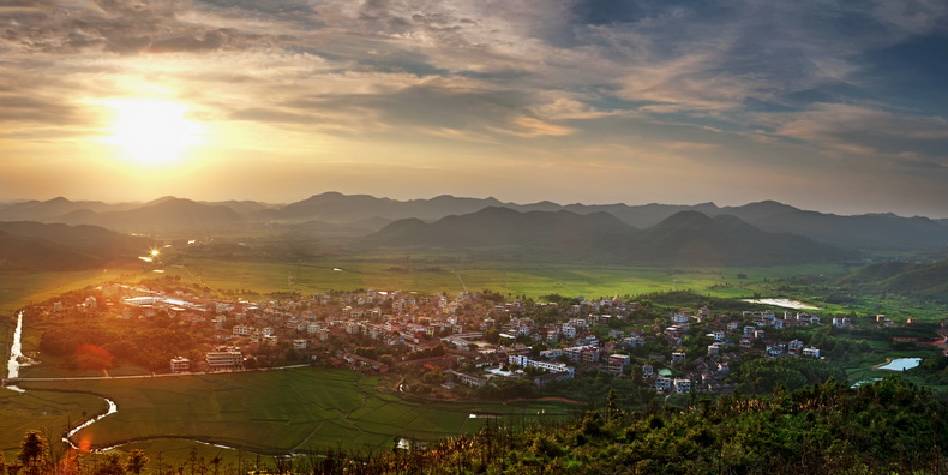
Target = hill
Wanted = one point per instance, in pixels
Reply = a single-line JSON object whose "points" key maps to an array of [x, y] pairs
{"points": [[336, 207], [686, 238], [42, 246], [53, 210], [690, 237], [34, 254], [866, 231], [578, 236], [869, 232], [856, 232], [928, 280], [164, 215]]}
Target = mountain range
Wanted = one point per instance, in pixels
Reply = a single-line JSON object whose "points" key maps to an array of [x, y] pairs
{"points": [[338, 215], [685, 238]]}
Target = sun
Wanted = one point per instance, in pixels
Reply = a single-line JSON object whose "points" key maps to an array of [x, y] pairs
{"points": [[152, 131]]}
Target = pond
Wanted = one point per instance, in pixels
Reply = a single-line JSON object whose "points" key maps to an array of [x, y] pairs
{"points": [[785, 303], [900, 364]]}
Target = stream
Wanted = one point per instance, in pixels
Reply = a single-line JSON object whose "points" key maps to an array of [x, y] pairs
{"points": [[13, 372], [16, 352]]}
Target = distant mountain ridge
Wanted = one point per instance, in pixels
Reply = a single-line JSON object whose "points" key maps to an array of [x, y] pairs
{"points": [[857, 232], [873, 232], [164, 215], [685, 238]]}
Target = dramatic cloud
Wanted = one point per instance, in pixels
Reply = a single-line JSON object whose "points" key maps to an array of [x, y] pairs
{"points": [[745, 88]]}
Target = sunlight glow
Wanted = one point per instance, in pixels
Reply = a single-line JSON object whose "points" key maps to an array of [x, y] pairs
{"points": [[152, 131]]}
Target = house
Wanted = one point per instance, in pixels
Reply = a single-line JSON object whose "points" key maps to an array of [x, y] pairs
{"points": [[585, 354], [648, 371], [242, 330], [680, 318], [663, 384], [299, 344], [521, 360], [811, 352], [714, 350], [180, 365], [618, 362], [774, 350], [472, 381], [223, 359], [682, 385], [794, 346], [634, 341], [678, 357]]}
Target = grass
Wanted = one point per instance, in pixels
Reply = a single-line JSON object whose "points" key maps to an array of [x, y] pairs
{"points": [[45, 411], [434, 274], [19, 288], [279, 411]]}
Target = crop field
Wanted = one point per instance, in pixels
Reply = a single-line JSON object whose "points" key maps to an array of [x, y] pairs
{"points": [[434, 274], [19, 288], [281, 411], [45, 411]]}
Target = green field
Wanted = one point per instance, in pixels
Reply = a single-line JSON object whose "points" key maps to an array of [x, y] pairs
{"points": [[45, 411], [433, 274], [303, 409], [18, 288]]}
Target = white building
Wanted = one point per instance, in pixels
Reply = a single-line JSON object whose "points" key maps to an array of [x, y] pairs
{"points": [[180, 365], [811, 352], [526, 362]]}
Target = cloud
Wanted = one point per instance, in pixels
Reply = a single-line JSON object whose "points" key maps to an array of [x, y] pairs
{"points": [[848, 79], [863, 131]]}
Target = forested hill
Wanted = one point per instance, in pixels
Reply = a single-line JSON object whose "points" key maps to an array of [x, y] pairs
{"points": [[685, 238], [927, 280], [885, 428]]}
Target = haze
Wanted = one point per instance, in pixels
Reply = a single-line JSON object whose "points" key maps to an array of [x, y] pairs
{"points": [[838, 107]]}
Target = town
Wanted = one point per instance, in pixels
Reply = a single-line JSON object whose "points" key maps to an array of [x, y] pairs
{"points": [[461, 346]]}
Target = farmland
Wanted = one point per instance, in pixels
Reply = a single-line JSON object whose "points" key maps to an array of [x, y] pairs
{"points": [[300, 409], [45, 411], [438, 274]]}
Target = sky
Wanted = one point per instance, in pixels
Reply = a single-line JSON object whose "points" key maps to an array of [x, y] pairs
{"points": [[831, 105]]}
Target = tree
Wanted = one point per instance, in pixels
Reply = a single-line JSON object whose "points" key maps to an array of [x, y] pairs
{"points": [[112, 466], [136, 461], [33, 452], [612, 406]]}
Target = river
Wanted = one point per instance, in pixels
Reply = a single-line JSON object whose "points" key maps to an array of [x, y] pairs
{"points": [[13, 371], [16, 352]]}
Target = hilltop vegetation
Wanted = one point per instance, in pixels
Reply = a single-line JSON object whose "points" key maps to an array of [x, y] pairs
{"points": [[890, 427]]}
